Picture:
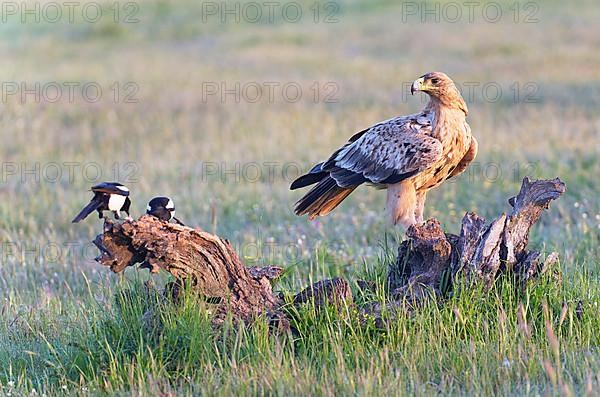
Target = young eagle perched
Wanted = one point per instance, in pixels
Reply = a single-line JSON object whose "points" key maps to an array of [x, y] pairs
{"points": [[407, 155]]}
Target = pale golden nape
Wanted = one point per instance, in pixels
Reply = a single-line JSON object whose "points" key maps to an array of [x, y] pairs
{"points": [[407, 155]]}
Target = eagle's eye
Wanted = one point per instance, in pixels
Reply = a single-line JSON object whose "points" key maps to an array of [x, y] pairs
{"points": [[435, 80]]}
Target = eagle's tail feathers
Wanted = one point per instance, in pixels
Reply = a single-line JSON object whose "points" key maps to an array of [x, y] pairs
{"points": [[322, 199], [308, 179]]}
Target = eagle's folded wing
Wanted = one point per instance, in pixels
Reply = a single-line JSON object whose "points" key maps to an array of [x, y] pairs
{"points": [[316, 173], [385, 154]]}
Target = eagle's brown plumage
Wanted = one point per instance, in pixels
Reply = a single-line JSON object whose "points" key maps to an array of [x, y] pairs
{"points": [[407, 155]]}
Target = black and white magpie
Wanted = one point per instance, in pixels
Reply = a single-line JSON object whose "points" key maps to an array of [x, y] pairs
{"points": [[108, 196], [163, 208]]}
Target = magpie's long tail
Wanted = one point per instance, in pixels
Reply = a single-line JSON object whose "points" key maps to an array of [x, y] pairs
{"points": [[322, 198], [88, 209]]}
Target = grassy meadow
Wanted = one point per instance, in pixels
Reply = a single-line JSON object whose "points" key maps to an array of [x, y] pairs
{"points": [[170, 120]]}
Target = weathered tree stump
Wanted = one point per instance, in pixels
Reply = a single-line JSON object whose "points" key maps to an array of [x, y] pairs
{"points": [[430, 258], [427, 261], [204, 260]]}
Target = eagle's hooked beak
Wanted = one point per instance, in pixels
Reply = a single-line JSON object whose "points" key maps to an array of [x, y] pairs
{"points": [[417, 85]]}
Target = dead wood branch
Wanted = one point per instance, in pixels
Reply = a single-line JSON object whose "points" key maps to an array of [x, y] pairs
{"points": [[482, 252], [427, 260]]}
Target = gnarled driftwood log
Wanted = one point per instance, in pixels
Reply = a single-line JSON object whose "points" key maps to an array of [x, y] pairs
{"points": [[206, 261], [427, 260]]}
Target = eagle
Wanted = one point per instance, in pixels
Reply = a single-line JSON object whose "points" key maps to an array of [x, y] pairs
{"points": [[407, 155]]}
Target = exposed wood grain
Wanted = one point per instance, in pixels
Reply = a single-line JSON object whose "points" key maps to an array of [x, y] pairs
{"points": [[481, 252], [425, 266], [207, 261]]}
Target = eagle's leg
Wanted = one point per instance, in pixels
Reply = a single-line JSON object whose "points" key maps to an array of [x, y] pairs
{"points": [[401, 204], [420, 207]]}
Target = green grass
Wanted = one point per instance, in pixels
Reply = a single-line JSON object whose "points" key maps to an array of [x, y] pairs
{"points": [[475, 343], [63, 332]]}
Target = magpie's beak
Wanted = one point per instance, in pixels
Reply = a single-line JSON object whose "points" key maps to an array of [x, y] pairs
{"points": [[417, 85]]}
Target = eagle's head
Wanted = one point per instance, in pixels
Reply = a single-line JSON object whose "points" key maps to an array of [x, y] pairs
{"points": [[441, 87]]}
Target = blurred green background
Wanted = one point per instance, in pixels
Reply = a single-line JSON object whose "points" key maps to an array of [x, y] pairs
{"points": [[228, 163]]}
